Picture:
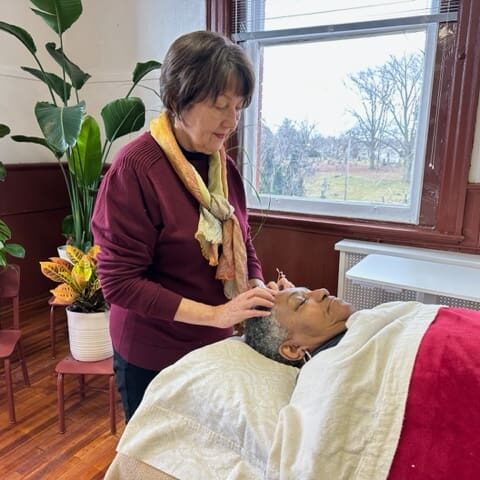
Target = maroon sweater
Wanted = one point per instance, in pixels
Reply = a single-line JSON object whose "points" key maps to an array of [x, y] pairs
{"points": [[144, 222]]}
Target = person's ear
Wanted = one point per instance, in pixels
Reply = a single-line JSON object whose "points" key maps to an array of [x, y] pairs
{"points": [[291, 352]]}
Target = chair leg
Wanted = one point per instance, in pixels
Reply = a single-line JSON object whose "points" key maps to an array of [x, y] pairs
{"points": [[111, 391], [60, 403], [8, 382], [23, 364], [53, 332]]}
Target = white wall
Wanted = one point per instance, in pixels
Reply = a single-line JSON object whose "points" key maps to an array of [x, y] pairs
{"points": [[107, 41]]}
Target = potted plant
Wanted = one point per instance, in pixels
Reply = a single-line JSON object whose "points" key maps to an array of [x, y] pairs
{"points": [[13, 249], [81, 293], [67, 130]]}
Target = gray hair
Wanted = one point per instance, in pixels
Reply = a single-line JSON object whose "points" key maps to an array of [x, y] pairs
{"points": [[265, 335]]}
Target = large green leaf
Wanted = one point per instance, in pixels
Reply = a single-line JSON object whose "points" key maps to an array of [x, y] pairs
{"points": [[60, 125], [86, 159], [142, 69], [21, 34], [55, 82], [36, 140], [76, 74], [123, 116], [4, 130], [59, 15]]}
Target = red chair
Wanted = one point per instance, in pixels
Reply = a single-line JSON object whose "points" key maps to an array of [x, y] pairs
{"points": [[10, 339], [53, 320], [74, 367]]}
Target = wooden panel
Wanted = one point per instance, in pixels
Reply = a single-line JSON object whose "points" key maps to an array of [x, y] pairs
{"points": [[437, 124], [33, 202], [219, 16], [39, 233], [472, 217], [307, 258], [462, 120], [32, 188]]}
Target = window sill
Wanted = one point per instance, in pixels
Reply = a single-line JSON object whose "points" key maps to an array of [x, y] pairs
{"points": [[347, 228]]}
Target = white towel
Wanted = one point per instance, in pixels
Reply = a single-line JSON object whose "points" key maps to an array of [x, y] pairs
{"points": [[345, 416]]}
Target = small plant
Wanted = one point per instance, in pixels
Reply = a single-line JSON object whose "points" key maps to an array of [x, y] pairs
{"points": [[79, 287], [13, 249]]}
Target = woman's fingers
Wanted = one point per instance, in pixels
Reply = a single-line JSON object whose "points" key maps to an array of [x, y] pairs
{"points": [[255, 312], [256, 282], [281, 284], [261, 297], [284, 282], [252, 303], [256, 293], [273, 286]]}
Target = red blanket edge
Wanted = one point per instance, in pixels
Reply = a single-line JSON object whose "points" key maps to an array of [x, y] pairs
{"points": [[440, 437]]}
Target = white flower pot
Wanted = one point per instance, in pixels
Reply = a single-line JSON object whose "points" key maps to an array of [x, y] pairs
{"points": [[89, 336]]}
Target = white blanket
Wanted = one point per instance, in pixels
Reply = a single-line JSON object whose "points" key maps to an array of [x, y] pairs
{"points": [[211, 415], [345, 415], [226, 412]]}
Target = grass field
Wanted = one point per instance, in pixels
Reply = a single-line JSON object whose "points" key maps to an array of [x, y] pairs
{"points": [[384, 185]]}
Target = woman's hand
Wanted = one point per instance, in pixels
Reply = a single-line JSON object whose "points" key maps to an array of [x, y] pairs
{"points": [[282, 282], [256, 282], [243, 306]]}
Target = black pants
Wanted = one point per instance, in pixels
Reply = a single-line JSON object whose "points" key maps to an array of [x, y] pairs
{"points": [[132, 381]]}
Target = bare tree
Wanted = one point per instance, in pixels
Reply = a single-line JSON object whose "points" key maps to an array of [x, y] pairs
{"points": [[374, 89], [405, 76], [387, 118]]}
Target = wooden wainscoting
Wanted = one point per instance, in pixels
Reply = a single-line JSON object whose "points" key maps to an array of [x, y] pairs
{"points": [[33, 448], [33, 202]]}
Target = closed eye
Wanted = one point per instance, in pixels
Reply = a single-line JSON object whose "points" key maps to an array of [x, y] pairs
{"points": [[301, 302]]}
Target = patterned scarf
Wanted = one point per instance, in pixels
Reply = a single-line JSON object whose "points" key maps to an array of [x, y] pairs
{"points": [[217, 223]]}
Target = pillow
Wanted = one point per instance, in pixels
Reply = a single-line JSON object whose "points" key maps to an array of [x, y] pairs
{"points": [[213, 411]]}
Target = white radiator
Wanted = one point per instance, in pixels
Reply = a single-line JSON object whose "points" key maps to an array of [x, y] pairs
{"points": [[361, 296]]}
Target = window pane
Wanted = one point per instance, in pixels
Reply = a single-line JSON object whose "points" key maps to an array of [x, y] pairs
{"points": [[282, 14], [339, 119]]}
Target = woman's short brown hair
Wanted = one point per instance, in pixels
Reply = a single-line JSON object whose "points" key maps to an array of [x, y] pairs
{"points": [[201, 65]]}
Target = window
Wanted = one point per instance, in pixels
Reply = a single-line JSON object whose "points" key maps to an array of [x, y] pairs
{"points": [[340, 121]]}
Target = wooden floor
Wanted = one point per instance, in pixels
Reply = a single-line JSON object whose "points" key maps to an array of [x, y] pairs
{"points": [[33, 448]]}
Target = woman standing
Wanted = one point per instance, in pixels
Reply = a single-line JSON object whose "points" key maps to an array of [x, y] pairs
{"points": [[177, 263]]}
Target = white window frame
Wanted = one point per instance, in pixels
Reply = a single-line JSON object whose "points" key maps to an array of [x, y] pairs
{"points": [[254, 41]]}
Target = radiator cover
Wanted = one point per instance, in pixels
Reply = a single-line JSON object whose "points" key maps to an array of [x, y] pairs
{"points": [[352, 251]]}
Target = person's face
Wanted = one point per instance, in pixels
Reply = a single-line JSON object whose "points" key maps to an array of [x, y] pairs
{"points": [[311, 316], [206, 125]]}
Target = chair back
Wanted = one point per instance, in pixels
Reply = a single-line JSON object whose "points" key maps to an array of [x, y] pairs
{"points": [[10, 288]]}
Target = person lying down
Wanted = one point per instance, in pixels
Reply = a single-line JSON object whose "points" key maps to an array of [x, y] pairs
{"points": [[393, 383], [389, 393], [303, 322]]}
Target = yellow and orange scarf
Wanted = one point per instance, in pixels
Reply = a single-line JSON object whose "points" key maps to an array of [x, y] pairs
{"points": [[217, 223]]}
